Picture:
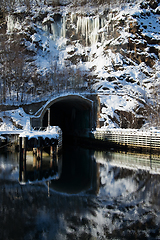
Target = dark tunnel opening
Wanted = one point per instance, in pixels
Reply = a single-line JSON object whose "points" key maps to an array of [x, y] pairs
{"points": [[72, 114]]}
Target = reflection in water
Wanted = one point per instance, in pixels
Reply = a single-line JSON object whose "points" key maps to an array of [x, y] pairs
{"points": [[115, 197], [9, 166], [147, 162], [79, 171], [36, 169], [130, 175]]}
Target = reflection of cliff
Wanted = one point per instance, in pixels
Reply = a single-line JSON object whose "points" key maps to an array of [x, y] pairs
{"points": [[136, 177], [110, 214], [148, 187]]}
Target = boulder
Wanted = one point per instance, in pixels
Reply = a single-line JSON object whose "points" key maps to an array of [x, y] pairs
{"points": [[153, 4], [133, 27]]}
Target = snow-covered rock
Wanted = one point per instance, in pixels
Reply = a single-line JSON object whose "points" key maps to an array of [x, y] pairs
{"points": [[115, 48]]}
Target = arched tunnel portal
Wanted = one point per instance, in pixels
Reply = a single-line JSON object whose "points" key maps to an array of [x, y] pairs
{"points": [[73, 114]]}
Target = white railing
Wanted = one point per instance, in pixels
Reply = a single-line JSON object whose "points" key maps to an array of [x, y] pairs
{"points": [[129, 137]]}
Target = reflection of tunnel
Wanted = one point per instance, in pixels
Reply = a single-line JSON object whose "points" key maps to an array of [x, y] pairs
{"points": [[71, 113]]}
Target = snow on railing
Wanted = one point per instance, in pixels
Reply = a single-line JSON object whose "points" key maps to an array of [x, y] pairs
{"points": [[130, 137]]}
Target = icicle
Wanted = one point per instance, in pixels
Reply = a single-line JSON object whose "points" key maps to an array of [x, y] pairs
{"points": [[79, 25], [86, 31], [63, 30], [103, 34], [10, 23], [87, 27], [45, 28], [94, 31], [53, 30], [73, 18], [83, 23]]}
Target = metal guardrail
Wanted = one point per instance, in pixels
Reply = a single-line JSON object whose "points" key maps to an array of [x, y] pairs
{"points": [[132, 137], [40, 128]]}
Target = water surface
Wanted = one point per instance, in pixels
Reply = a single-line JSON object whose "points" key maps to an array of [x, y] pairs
{"points": [[98, 195]]}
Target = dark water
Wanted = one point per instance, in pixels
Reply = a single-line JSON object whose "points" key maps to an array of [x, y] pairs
{"points": [[98, 195]]}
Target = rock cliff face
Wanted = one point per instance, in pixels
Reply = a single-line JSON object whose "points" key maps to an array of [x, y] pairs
{"points": [[112, 49]]}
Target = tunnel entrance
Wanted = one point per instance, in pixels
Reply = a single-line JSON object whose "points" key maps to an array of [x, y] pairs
{"points": [[73, 114]]}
